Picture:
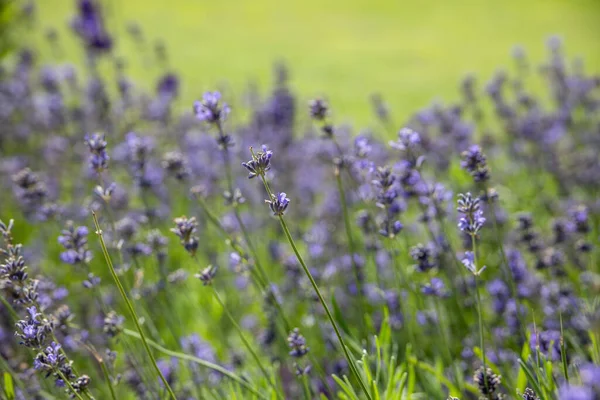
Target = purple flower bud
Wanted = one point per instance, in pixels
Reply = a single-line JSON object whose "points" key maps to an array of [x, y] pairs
{"points": [[278, 203]]}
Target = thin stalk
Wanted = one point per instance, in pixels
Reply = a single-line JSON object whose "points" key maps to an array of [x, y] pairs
{"points": [[258, 278], [238, 328], [480, 315], [130, 306], [288, 235], [199, 361], [261, 272], [307, 391], [563, 350], [324, 304], [108, 380]]}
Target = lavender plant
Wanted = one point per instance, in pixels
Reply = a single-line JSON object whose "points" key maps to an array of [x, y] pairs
{"points": [[357, 290]]}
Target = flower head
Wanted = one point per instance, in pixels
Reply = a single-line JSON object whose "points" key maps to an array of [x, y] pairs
{"points": [[472, 219], [89, 25], [260, 163], [475, 163], [211, 109], [469, 262], [185, 229], [98, 155], [529, 394], [488, 383], [297, 344], [113, 324], [74, 240], [319, 110], [207, 275], [435, 288], [407, 139], [278, 203]]}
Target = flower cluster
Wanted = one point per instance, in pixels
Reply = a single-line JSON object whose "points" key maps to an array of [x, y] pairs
{"points": [[472, 219], [210, 109], [74, 240], [184, 230], [260, 163], [278, 204], [98, 155], [298, 349], [474, 162]]}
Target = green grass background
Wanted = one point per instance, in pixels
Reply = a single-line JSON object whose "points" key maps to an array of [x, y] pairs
{"points": [[410, 51]]}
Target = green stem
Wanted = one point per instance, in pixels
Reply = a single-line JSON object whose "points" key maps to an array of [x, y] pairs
{"points": [[563, 350], [351, 363], [324, 304], [108, 380], [68, 383], [307, 391], [130, 306], [238, 328], [479, 313], [199, 361], [258, 278]]}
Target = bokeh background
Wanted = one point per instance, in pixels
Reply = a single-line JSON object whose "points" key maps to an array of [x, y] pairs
{"points": [[411, 52]]}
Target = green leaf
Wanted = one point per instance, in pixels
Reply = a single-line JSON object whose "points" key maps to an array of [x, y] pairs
{"points": [[8, 386], [532, 381], [522, 376], [346, 388]]}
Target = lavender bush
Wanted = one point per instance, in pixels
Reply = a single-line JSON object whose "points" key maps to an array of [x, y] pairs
{"points": [[159, 250]]}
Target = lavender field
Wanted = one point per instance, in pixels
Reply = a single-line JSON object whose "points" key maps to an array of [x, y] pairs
{"points": [[250, 243]]}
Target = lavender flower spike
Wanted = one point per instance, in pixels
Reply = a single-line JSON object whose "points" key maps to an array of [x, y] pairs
{"points": [[472, 219], [260, 163], [210, 109], [278, 203], [469, 263], [407, 139]]}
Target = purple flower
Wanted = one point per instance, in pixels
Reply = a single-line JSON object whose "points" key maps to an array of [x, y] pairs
{"points": [[89, 25], [49, 358], [207, 275], [98, 155], [260, 163], [424, 256], [32, 330], [570, 392], [435, 288], [474, 162], [407, 139], [74, 240], [469, 262], [185, 229], [319, 110], [297, 344], [210, 109], [472, 219], [278, 203]]}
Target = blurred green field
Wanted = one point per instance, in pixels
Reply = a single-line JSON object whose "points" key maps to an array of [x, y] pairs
{"points": [[410, 51]]}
